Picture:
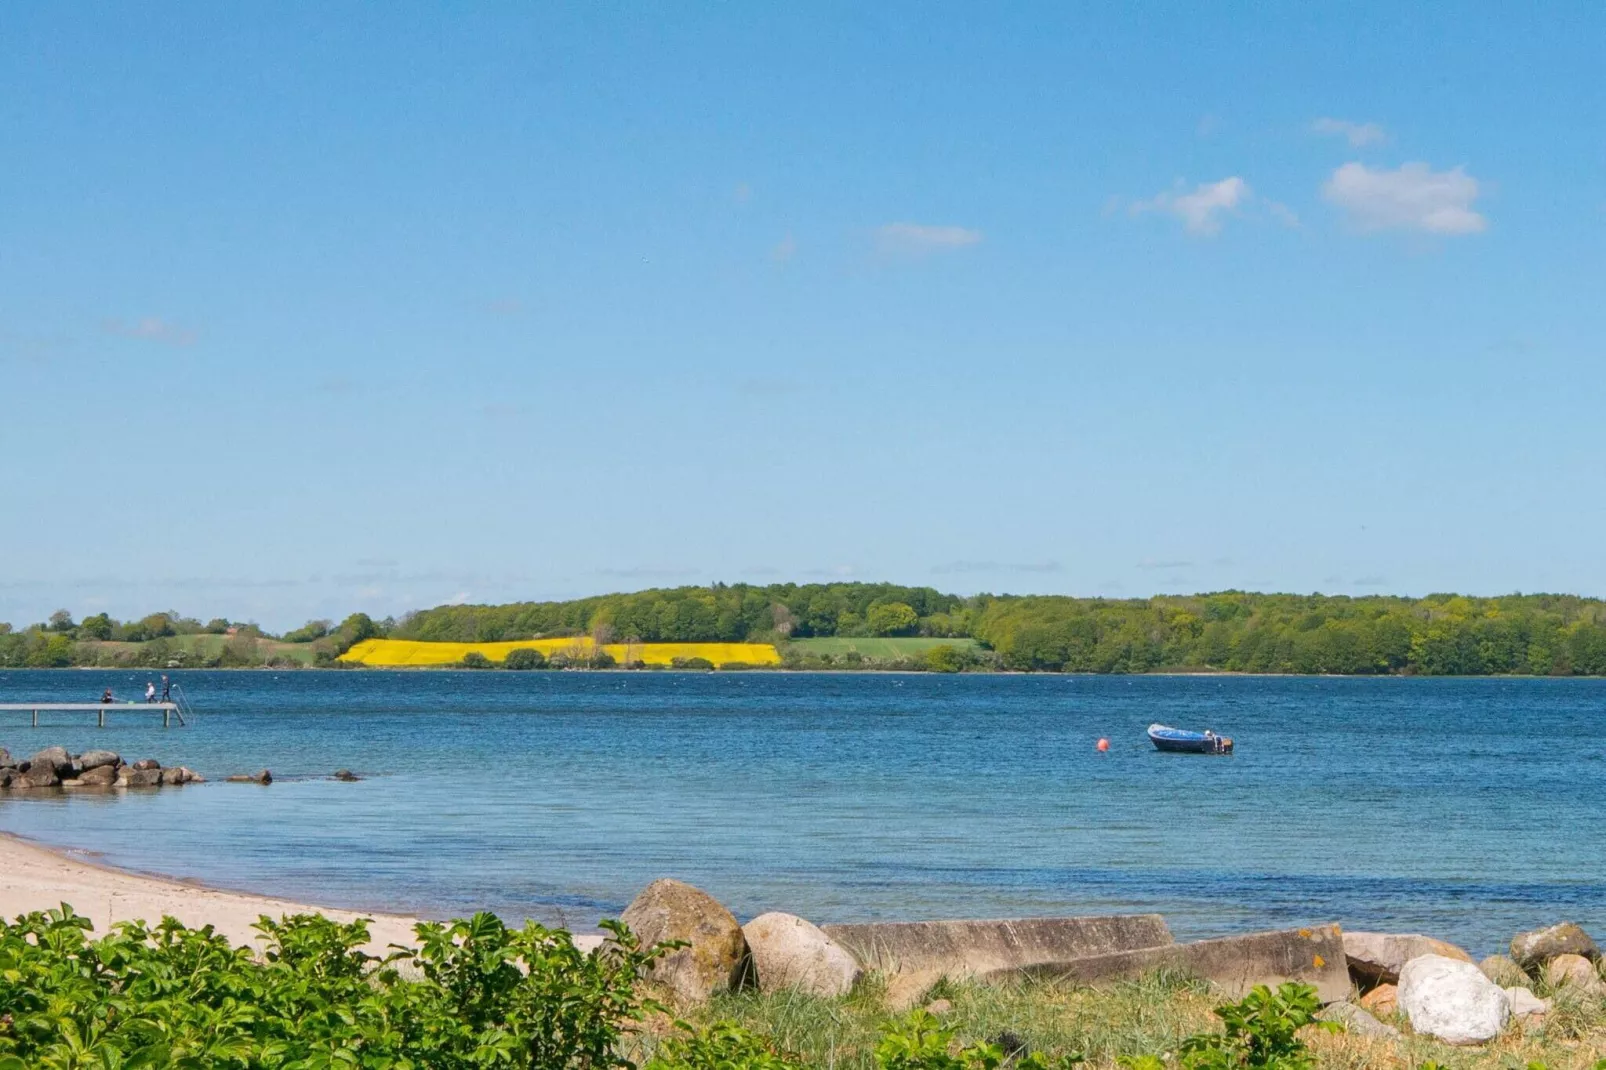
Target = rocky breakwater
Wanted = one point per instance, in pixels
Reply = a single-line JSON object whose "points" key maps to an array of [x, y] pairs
{"points": [[56, 767]]}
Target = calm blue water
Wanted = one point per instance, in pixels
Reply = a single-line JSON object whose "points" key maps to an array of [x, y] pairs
{"points": [[1465, 808]]}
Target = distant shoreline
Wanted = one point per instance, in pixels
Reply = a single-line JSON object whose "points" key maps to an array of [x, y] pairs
{"points": [[779, 671]]}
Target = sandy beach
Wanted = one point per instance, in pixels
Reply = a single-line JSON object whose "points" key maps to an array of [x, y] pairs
{"points": [[36, 877]]}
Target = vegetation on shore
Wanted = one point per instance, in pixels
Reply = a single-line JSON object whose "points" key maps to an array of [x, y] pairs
{"points": [[861, 625], [476, 994]]}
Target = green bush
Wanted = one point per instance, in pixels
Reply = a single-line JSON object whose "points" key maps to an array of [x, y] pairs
{"points": [[1261, 1032], [699, 664], [524, 658], [722, 1046], [475, 660], [177, 997]]}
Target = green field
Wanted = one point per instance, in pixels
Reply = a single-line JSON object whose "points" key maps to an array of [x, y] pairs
{"points": [[879, 649]]}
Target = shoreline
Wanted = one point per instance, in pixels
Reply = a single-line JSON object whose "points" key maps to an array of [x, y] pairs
{"points": [[39, 876]]}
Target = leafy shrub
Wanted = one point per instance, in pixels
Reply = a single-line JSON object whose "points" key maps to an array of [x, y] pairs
{"points": [[524, 658], [475, 660], [1261, 1032], [944, 658], [177, 997], [722, 1046], [919, 1042], [700, 664]]}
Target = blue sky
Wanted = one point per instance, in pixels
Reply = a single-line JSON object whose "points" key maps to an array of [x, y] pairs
{"points": [[315, 308]]}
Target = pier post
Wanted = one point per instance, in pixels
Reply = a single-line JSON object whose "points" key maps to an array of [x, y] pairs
{"points": [[36, 718], [166, 716], [103, 717]]}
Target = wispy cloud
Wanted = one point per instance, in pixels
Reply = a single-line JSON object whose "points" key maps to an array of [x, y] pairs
{"points": [[1359, 135], [1201, 209], [151, 329], [920, 239], [960, 568], [648, 572], [1412, 197]]}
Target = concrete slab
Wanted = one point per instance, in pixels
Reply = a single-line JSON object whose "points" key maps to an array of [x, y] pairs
{"points": [[972, 948], [1235, 964]]}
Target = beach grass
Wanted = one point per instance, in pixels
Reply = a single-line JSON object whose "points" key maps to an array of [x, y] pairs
{"points": [[1151, 1016]]}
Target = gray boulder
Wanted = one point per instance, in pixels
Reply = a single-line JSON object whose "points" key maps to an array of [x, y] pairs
{"points": [[1376, 958], [1534, 949], [56, 757], [346, 774], [789, 952], [1452, 1000], [41, 774], [715, 953], [140, 778], [94, 759], [5, 758], [1355, 1020], [1503, 971], [147, 763], [100, 776]]}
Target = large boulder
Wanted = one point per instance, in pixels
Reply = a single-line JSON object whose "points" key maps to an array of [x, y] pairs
{"points": [[100, 776], [147, 763], [56, 758], [1574, 970], [790, 952], [41, 774], [1534, 949], [94, 759], [716, 950], [140, 778], [1452, 1000], [1376, 958]]}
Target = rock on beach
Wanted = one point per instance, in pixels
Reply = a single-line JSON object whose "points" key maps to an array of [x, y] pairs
{"points": [[1534, 949], [1377, 958], [716, 950], [1452, 1000], [789, 952]]}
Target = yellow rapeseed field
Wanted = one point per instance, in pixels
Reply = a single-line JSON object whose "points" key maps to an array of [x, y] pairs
{"points": [[393, 653]]}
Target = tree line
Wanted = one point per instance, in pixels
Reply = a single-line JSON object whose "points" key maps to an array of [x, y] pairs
{"points": [[1232, 631]]}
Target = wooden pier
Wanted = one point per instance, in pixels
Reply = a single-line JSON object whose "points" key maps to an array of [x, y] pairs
{"points": [[170, 710]]}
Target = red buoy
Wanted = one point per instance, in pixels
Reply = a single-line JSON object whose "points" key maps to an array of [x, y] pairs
{"points": [[1104, 745]]}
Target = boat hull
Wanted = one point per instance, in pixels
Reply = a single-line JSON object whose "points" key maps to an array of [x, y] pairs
{"points": [[1181, 741]]}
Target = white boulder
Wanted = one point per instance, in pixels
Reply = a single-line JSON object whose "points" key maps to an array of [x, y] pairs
{"points": [[1452, 1000], [790, 952]]}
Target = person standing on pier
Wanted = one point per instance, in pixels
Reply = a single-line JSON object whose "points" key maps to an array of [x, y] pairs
{"points": [[167, 689], [150, 691]]}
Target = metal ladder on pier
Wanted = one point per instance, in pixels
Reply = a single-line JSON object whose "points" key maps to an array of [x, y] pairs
{"points": [[184, 710]]}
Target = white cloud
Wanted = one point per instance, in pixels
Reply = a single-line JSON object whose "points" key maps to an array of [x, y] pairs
{"points": [[1283, 214], [152, 329], [1413, 197], [919, 239], [1202, 209], [1357, 134]]}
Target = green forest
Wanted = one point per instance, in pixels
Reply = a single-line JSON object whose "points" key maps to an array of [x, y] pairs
{"points": [[1228, 631]]}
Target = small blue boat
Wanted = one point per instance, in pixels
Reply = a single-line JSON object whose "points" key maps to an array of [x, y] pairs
{"points": [[1166, 738]]}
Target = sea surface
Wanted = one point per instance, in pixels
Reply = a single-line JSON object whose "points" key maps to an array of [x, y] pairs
{"points": [[1467, 809]]}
